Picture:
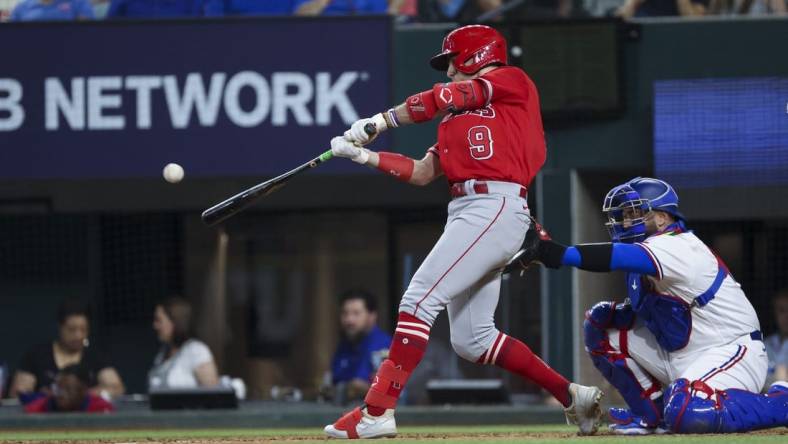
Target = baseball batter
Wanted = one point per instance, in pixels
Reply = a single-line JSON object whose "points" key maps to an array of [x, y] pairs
{"points": [[685, 349], [490, 146]]}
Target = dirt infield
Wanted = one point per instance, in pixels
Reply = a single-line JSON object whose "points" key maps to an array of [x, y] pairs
{"points": [[422, 434], [317, 438]]}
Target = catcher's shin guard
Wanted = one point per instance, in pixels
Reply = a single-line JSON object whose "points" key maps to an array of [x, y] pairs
{"points": [[613, 363], [694, 407]]}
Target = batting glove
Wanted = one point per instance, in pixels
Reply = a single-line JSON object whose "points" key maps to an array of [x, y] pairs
{"points": [[357, 134], [343, 148]]}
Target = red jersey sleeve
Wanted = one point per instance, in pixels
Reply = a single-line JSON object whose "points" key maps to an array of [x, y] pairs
{"points": [[506, 84], [97, 404], [40, 405]]}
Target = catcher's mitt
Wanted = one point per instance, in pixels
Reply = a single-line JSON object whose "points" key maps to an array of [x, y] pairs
{"points": [[539, 247]]}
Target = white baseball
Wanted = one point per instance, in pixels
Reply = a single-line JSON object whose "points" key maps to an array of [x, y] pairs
{"points": [[173, 173], [516, 51]]}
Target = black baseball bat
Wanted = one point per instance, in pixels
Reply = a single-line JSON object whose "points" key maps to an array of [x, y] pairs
{"points": [[229, 207]]}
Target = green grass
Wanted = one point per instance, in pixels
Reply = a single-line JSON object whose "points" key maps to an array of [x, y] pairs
{"points": [[546, 434]]}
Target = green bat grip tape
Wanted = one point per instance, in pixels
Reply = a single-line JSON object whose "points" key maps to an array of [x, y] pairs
{"points": [[326, 156]]}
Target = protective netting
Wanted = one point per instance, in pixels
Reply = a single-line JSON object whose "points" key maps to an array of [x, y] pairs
{"points": [[756, 253]]}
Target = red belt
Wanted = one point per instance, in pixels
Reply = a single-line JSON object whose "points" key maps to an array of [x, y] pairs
{"points": [[458, 189]]}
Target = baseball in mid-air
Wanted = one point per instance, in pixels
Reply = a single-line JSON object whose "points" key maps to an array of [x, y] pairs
{"points": [[173, 173]]}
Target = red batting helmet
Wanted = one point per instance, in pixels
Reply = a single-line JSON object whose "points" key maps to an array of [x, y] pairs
{"points": [[475, 46]]}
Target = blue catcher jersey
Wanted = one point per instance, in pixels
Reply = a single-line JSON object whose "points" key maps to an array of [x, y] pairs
{"points": [[362, 359]]}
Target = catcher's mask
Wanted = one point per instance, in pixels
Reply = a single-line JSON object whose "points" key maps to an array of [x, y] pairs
{"points": [[626, 206], [625, 210]]}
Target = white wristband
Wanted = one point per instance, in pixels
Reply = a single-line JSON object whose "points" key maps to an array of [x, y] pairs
{"points": [[380, 122], [363, 156]]}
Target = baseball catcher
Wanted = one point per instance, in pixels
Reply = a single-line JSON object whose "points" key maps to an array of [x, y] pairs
{"points": [[685, 349]]}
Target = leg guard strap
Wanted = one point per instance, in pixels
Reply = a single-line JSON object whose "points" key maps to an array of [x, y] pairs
{"points": [[348, 422], [387, 385]]}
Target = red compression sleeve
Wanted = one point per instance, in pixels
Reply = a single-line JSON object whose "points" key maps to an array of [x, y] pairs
{"points": [[396, 165], [459, 96], [451, 97], [421, 106]]}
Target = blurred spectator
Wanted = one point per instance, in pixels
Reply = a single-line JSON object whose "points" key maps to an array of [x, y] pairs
{"points": [[361, 350], [348, 7], [6, 6], [456, 10], [100, 8], [38, 368], [183, 361], [156, 8], [70, 394], [777, 344], [747, 7], [662, 8], [41, 10], [409, 11], [251, 7], [3, 378], [545, 9], [602, 8]]}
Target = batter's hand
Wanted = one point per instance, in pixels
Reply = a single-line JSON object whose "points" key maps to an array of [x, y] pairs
{"points": [[343, 148], [358, 134]]}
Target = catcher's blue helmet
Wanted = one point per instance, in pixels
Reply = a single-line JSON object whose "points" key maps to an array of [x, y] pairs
{"points": [[631, 201], [660, 195]]}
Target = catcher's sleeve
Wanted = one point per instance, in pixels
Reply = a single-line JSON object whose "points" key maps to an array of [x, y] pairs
{"points": [[608, 256]]}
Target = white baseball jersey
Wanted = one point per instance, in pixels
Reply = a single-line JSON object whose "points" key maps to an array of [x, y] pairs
{"points": [[686, 268], [720, 350]]}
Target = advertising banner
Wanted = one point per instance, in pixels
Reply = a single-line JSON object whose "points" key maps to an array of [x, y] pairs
{"points": [[721, 132], [244, 97]]}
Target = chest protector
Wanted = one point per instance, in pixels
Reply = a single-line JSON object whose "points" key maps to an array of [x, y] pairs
{"points": [[668, 317]]}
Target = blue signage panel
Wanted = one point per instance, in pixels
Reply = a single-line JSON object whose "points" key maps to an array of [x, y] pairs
{"points": [[721, 132], [222, 98]]}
